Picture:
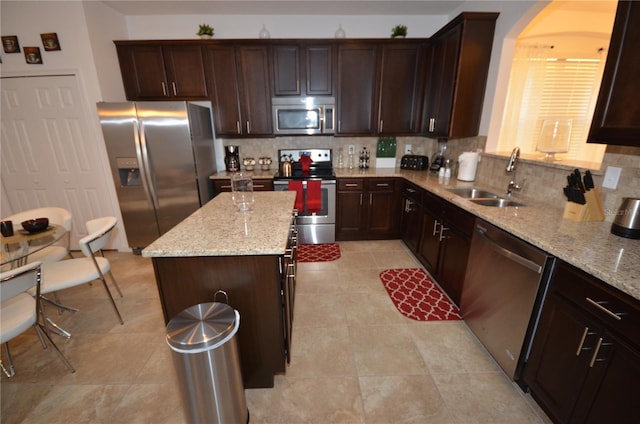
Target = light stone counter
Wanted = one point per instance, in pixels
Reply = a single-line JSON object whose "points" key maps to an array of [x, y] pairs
{"points": [[589, 246], [217, 229]]}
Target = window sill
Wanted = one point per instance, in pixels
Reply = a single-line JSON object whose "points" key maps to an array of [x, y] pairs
{"points": [[537, 160]]}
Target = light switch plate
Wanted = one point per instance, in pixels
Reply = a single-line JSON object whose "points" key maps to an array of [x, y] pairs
{"points": [[611, 177]]}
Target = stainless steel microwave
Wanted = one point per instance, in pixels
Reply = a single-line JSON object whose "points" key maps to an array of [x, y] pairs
{"points": [[303, 115]]}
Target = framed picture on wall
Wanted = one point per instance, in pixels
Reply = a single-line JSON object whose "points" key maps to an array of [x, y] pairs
{"points": [[32, 55], [10, 44], [50, 41]]}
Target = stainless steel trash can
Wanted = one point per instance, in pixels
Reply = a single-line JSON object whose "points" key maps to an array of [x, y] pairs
{"points": [[205, 354]]}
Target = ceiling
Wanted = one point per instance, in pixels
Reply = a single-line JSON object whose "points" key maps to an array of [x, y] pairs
{"points": [[284, 7]]}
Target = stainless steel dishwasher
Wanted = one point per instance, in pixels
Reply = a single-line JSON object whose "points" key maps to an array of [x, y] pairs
{"points": [[504, 287]]}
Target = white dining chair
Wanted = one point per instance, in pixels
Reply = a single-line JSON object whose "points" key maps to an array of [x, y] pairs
{"points": [[56, 215], [19, 310], [69, 273]]}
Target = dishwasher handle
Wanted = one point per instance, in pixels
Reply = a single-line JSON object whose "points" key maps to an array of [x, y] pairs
{"points": [[508, 253]]}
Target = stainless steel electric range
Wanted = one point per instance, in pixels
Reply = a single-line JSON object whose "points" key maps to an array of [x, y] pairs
{"points": [[313, 178]]}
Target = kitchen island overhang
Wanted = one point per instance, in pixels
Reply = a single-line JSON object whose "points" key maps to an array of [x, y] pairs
{"points": [[217, 248]]}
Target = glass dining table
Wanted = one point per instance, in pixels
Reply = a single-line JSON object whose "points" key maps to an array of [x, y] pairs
{"points": [[17, 248]]}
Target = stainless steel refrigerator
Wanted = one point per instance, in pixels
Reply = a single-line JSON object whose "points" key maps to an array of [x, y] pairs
{"points": [[161, 155]]}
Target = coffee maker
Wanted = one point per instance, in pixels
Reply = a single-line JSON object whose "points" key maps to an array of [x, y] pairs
{"points": [[232, 158], [439, 160]]}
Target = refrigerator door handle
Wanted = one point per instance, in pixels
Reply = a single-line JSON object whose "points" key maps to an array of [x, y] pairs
{"points": [[143, 163]]}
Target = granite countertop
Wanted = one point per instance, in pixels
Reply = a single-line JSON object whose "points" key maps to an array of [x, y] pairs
{"points": [[217, 229], [589, 246]]}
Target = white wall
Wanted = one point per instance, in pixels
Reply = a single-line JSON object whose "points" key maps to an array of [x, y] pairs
{"points": [[280, 26]]}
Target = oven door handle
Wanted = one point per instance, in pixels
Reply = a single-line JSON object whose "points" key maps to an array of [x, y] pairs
{"points": [[508, 253]]}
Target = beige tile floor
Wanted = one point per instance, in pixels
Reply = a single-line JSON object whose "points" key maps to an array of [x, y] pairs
{"points": [[355, 359]]}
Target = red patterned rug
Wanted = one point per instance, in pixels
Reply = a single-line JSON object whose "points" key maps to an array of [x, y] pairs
{"points": [[318, 252], [416, 296]]}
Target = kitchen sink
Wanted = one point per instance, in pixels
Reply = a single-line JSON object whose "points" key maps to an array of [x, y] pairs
{"points": [[497, 202], [473, 193]]}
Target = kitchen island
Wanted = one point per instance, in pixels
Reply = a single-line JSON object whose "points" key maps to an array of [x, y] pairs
{"points": [[217, 248]]}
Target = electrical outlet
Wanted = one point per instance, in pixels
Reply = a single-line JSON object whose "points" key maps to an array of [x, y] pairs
{"points": [[352, 149], [407, 149], [611, 177]]}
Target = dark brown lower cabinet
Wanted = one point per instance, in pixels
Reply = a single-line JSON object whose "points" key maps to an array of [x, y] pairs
{"points": [[411, 222], [254, 288], [367, 209], [445, 242], [584, 365]]}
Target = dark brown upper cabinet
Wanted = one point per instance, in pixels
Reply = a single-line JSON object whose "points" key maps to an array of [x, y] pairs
{"points": [[459, 56], [304, 69], [379, 87], [238, 79], [616, 119], [401, 76], [357, 88], [162, 70]]}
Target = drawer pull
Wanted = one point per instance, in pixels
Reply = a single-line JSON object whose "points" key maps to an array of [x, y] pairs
{"points": [[605, 310], [382, 184], [351, 185], [411, 190], [225, 186], [258, 186]]}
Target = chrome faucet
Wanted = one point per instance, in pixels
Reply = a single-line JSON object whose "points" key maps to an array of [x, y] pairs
{"points": [[511, 168]]}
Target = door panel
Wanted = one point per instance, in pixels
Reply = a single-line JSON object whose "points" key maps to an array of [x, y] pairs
{"points": [[49, 155]]}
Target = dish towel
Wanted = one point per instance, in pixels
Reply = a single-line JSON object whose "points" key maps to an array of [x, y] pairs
{"points": [[297, 187], [314, 198]]}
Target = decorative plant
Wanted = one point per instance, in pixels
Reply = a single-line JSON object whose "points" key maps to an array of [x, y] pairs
{"points": [[399, 31], [204, 29]]}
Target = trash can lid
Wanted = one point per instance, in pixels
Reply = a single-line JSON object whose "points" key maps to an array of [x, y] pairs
{"points": [[200, 326]]}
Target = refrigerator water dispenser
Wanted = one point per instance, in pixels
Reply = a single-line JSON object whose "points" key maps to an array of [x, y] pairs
{"points": [[129, 172]]}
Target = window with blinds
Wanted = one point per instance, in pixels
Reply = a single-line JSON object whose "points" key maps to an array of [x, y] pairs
{"points": [[552, 95]]}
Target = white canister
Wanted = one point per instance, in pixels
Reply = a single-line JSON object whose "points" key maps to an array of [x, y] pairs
{"points": [[468, 164]]}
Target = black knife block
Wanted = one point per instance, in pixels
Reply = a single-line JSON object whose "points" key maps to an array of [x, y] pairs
{"points": [[591, 211]]}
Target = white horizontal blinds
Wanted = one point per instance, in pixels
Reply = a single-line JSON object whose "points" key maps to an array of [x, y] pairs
{"points": [[544, 86]]}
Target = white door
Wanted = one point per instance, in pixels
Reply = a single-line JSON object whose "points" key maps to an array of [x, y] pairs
{"points": [[49, 155]]}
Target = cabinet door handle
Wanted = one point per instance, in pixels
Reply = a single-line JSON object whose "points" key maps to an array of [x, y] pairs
{"points": [[173, 86], [164, 89], [248, 128], [408, 205], [598, 305], [370, 199], [442, 236], [435, 227], [411, 190], [238, 127], [584, 336], [360, 199], [432, 124], [595, 353], [380, 126]]}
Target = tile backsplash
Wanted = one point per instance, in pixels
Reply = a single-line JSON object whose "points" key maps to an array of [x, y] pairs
{"points": [[542, 182]]}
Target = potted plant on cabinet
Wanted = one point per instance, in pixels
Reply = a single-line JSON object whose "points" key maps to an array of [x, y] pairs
{"points": [[205, 31], [399, 31]]}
